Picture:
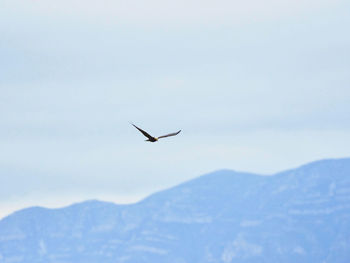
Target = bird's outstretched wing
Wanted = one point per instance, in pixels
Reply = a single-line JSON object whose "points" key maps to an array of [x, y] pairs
{"points": [[143, 132], [170, 134]]}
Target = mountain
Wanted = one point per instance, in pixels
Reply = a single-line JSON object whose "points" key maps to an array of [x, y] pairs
{"points": [[300, 215]]}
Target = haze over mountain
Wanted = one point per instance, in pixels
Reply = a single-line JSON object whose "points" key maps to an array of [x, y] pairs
{"points": [[300, 215]]}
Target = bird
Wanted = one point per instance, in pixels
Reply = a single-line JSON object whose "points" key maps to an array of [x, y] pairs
{"points": [[154, 139]]}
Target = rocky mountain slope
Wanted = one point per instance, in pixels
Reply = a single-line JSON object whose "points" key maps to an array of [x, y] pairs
{"points": [[301, 215]]}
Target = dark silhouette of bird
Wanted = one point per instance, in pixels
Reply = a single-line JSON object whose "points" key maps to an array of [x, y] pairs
{"points": [[154, 139]]}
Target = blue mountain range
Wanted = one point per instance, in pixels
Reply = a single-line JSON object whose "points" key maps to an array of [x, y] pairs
{"points": [[300, 215]]}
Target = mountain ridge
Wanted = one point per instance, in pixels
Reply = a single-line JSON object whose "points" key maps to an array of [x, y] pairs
{"points": [[212, 173], [302, 215]]}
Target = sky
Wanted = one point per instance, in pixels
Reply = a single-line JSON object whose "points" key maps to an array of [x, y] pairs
{"points": [[254, 86]]}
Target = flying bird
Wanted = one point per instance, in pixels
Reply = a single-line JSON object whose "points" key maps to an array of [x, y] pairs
{"points": [[154, 139]]}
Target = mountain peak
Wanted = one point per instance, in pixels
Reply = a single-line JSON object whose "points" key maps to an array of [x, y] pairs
{"points": [[301, 215]]}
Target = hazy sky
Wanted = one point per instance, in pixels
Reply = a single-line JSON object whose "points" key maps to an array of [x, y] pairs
{"points": [[258, 86]]}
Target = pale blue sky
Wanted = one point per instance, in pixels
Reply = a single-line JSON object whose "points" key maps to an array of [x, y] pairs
{"points": [[255, 86]]}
